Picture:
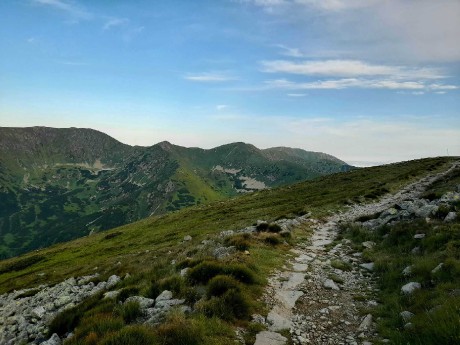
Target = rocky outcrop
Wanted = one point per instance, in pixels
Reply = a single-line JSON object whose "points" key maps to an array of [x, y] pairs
{"points": [[25, 314]]}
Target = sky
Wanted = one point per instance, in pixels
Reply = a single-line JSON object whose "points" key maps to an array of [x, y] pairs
{"points": [[368, 81]]}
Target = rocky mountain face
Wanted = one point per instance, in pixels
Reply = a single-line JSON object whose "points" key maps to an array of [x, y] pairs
{"points": [[60, 184]]}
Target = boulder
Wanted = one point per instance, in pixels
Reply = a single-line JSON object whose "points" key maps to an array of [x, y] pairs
{"points": [[165, 295], [144, 303], [451, 216], [270, 338], [54, 340], [368, 244], [368, 266], [409, 288], [406, 315], [366, 324], [112, 281]]}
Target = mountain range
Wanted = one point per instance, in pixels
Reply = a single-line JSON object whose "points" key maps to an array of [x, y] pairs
{"points": [[60, 184]]}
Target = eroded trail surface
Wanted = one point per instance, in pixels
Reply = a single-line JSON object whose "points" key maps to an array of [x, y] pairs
{"points": [[321, 292]]}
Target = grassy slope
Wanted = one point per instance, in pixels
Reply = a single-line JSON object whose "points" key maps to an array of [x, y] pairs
{"points": [[144, 241]]}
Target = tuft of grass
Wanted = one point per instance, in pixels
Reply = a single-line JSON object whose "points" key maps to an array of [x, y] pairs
{"points": [[241, 242], [179, 330], [207, 270], [274, 228], [220, 284], [335, 278], [231, 305], [127, 292], [273, 240], [132, 335], [129, 311]]}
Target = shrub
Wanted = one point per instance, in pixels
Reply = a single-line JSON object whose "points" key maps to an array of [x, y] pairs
{"points": [[100, 324], [127, 292], [262, 226], [241, 273], [132, 335], [188, 263], [129, 311], [204, 271], [241, 242], [180, 330], [273, 240], [112, 235], [231, 305], [175, 284], [274, 228], [220, 284]]}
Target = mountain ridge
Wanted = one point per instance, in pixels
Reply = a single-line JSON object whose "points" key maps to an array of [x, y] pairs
{"points": [[62, 183]]}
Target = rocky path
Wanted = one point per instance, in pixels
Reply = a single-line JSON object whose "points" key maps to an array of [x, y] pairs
{"points": [[323, 294]]}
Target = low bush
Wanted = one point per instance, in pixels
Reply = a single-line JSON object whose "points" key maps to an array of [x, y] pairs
{"points": [[273, 240], [220, 284], [274, 228], [229, 306], [112, 235], [129, 311], [132, 335], [127, 292], [241, 242], [207, 270], [99, 324], [179, 330], [262, 226]]}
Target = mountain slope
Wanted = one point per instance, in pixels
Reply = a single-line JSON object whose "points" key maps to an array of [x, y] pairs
{"points": [[59, 184]]}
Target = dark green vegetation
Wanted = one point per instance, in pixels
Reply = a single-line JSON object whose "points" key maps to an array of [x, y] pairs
{"points": [[435, 265], [61, 184]]}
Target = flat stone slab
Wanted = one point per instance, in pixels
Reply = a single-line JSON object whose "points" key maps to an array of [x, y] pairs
{"points": [[295, 279], [277, 320], [289, 297], [300, 267], [270, 338], [304, 259]]}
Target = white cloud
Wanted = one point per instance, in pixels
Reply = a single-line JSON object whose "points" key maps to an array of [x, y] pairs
{"points": [[71, 8], [291, 52], [221, 107], [346, 83], [114, 22], [296, 94], [338, 5], [347, 68], [209, 77]]}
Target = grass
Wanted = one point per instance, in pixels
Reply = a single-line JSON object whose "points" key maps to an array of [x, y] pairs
{"points": [[341, 265], [437, 304]]}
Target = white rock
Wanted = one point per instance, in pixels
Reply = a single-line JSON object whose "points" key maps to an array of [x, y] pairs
{"points": [[407, 271], [437, 268], [410, 288], [366, 323], [187, 238], [144, 303], [368, 244], [54, 340], [329, 284], [112, 281], [368, 266], [270, 338], [451, 216], [164, 296], [419, 236], [406, 315], [111, 294], [183, 272], [38, 312]]}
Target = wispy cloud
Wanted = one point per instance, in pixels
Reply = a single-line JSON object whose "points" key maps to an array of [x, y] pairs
{"points": [[347, 68], [71, 8], [207, 77], [221, 107], [346, 83], [296, 94], [291, 52], [114, 22]]}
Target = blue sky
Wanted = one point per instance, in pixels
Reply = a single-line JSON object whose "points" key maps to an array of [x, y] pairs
{"points": [[364, 80]]}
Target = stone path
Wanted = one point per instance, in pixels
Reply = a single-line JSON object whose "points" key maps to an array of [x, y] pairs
{"points": [[320, 304]]}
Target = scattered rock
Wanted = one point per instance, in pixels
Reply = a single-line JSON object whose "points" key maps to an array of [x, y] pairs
{"points": [[112, 281], [419, 236], [222, 252], [187, 238], [368, 244], [165, 295], [437, 268], [144, 303], [54, 340], [407, 271], [366, 323]]}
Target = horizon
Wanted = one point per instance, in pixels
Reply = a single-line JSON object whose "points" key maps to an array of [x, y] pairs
{"points": [[369, 82]]}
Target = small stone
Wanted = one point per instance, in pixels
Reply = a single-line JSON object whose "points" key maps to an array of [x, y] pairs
{"points": [[329, 284], [437, 268], [368, 266], [183, 272], [409, 288], [144, 303], [451, 216], [38, 312], [165, 295], [407, 271], [54, 340], [408, 326], [366, 323], [368, 244], [406, 315], [187, 238], [419, 236], [270, 338]]}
